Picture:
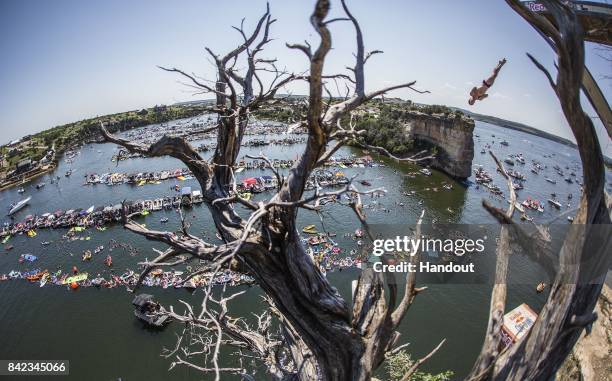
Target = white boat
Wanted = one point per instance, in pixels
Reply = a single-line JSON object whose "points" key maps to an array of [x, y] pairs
{"points": [[554, 203], [425, 171], [20, 205], [156, 204], [90, 210]]}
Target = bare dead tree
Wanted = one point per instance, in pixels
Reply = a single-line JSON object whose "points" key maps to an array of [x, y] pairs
{"points": [[578, 283], [323, 338]]}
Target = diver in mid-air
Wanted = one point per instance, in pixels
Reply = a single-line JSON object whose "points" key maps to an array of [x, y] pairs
{"points": [[480, 93]]}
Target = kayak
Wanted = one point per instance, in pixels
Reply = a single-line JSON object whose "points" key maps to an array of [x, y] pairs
{"points": [[31, 233], [44, 279], [182, 178], [29, 257], [245, 196], [310, 229], [144, 213], [240, 170], [75, 278], [35, 277], [5, 240]]}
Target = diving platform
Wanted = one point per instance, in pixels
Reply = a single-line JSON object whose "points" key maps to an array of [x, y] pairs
{"points": [[596, 18]]}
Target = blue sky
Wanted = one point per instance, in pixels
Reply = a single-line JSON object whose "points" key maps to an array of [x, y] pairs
{"points": [[67, 60]]}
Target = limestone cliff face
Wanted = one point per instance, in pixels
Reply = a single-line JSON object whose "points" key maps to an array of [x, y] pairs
{"points": [[452, 137], [590, 358]]}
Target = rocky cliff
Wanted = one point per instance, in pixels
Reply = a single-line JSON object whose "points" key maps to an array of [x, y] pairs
{"points": [[590, 358], [451, 135]]}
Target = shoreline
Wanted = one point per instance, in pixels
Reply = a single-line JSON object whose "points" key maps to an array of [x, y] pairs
{"points": [[40, 172]]}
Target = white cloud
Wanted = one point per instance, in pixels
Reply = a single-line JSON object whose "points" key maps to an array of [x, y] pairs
{"points": [[527, 95], [449, 86], [469, 83], [499, 95]]}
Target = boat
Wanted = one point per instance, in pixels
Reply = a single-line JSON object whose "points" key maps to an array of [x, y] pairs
{"points": [[20, 190], [551, 181], [310, 229], [516, 325], [40, 185], [27, 257], [76, 278], [509, 161], [90, 209], [87, 255], [31, 233], [68, 173], [149, 311], [425, 172], [108, 261], [554, 203], [163, 220], [18, 206], [504, 143], [245, 195], [35, 277], [157, 204], [44, 279], [541, 286]]}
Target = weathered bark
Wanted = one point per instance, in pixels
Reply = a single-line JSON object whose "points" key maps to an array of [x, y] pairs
{"points": [[323, 340]]}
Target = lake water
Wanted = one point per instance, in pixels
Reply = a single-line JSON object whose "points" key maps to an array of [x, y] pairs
{"points": [[95, 328]]}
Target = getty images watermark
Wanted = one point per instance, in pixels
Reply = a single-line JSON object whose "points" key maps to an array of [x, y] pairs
{"points": [[462, 253], [409, 246]]}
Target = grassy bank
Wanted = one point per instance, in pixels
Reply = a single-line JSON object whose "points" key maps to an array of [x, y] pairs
{"points": [[71, 135]]}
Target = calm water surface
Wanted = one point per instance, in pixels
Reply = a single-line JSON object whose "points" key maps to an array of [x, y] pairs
{"points": [[96, 330]]}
